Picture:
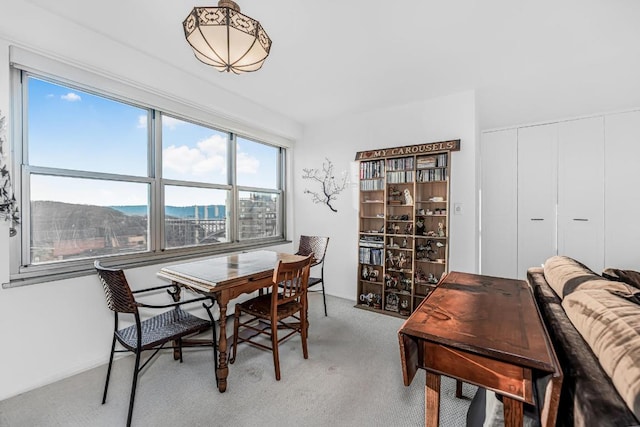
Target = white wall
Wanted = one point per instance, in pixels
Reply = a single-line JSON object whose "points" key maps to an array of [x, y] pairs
{"points": [[53, 330], [451, 117]]}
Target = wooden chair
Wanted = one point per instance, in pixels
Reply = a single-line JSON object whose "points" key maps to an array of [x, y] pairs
{"points": [[288, 299], [153, 333], [316, 246]]}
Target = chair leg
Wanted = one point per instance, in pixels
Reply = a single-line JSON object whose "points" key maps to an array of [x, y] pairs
{"points": [[324, 298], [214, 341], [274, 347], [236, 326], [106, 383], [133, 387], [304, 326], [215, 349]]}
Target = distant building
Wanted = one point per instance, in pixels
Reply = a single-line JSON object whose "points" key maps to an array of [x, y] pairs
{"points": [[258, 216]]}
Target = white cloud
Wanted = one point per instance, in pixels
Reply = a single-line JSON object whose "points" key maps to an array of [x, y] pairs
{"points": [[207, 158], [247, 164], [142, 122], [71, 97], [171, 123], [214, 145]]}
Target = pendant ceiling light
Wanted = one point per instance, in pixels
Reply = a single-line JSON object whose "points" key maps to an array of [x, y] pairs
{"points": [[226, 39]]}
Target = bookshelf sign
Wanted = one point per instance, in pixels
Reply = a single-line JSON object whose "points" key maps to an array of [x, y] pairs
{"points": [[432, 147]]}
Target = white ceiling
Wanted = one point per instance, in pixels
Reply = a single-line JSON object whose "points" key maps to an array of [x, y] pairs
{"points": [[331, 58]]}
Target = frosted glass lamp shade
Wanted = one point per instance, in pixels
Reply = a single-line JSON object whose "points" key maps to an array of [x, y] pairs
{"points": [[226, 39]]}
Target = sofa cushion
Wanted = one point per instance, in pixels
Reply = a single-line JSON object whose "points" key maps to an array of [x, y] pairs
{"points": [[566, 275], [611, 326], [629, 277], [587, 392]]}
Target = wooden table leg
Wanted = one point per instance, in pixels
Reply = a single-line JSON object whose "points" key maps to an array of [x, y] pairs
{"points": [[223, 368], [459, 389], [432, 400], [513, 412]]}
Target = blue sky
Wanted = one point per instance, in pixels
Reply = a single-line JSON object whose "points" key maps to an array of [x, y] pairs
{"points": [[73, 129]]}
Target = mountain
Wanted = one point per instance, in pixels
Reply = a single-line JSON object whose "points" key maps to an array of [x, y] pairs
{"points": [[212, 211]]}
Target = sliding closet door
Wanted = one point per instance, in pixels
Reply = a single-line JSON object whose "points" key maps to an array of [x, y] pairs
{"points": [[581, 191], [537, 195], [622, 196], [499, 204]]}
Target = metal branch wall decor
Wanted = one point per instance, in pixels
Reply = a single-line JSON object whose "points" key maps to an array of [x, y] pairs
{"points": [[330, 185], [8, 205]]}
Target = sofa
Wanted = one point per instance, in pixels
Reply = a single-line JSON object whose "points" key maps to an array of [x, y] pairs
{"points": [[594, 326]]}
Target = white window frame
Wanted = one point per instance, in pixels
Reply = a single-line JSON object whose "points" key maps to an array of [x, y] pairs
{"points": [[24, 273]]}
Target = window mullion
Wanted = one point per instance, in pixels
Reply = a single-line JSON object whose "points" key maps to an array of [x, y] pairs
{"points": [[156, 204], [232, 179]]}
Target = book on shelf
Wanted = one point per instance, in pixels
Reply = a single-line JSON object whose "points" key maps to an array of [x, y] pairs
{"points": [[437, 161], [371, 242], [426, 162], [400, 164], [372, 184], [428, 175], [371, 256], [372, 170]]}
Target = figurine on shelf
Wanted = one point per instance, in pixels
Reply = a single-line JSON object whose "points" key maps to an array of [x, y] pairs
{"points": [[404, 307], [404, 242], [391, 259], [408, 200], [408, 229], [373, 275], [440, 229], [432, 279], [392, 303], [391, 282], [365, 272], [420, 227], [402, 260], [377, 301], [367, 298]]}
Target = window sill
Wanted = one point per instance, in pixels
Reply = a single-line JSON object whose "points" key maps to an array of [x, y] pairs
{"points": [[72, 269]]}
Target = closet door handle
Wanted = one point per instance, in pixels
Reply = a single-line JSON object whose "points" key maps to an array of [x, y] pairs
{"points": [[580, 219], [537, 219]]}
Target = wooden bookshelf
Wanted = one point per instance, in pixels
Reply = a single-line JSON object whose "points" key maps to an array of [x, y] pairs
{"points": [[404, 225]]}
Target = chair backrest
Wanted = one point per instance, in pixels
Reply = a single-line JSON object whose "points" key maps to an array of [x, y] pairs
{"points": [[313, 245], [292, 278], [116, 289]]}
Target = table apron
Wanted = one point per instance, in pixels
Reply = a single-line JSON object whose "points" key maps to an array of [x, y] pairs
{"points": [[504, 378], [232, 292]]}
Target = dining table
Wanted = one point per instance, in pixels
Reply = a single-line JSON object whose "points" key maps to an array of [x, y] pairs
{"points": [[225, 278]]}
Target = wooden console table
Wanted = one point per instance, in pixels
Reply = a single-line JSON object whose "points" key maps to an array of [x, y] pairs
{"points": [[485, 331]]}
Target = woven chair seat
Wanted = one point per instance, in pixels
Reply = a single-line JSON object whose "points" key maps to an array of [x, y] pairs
{"points": [[261, 307], [314, 281], [162, 328]]}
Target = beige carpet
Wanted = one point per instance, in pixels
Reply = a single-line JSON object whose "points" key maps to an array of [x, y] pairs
{"points": [[352, 378]]}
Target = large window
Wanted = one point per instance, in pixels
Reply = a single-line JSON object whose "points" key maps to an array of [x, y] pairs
{"points": [[103, 177]]}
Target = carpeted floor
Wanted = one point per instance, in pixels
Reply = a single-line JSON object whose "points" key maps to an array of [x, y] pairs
{"points": [[352, 378]]}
